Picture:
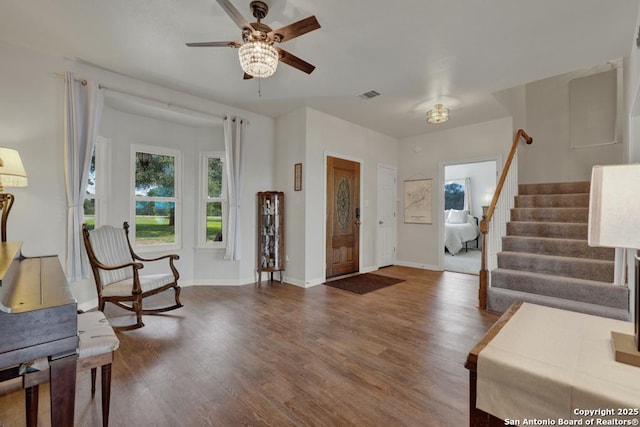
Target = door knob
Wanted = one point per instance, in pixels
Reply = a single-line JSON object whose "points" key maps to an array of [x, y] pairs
{"points": [[380, 222]]}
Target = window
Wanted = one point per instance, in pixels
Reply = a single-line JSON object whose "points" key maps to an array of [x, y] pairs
{"points": [[156, 198], [212, 221], [90, 195], [96, 185], [456, 194]]}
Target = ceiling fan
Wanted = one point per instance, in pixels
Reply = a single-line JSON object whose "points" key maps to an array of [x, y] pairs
{"points": [[258, 55]]}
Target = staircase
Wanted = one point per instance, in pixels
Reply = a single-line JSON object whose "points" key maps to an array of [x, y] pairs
{"points": [[545, 258]]}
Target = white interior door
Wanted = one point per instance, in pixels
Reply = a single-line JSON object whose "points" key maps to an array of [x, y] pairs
{"points": [[386, 215]]}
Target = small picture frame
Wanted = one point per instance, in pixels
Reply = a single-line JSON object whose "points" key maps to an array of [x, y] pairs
{"points": [[297, 177]]}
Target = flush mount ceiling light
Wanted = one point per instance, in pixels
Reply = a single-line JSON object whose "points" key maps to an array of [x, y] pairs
{"points": [[438, 114]]}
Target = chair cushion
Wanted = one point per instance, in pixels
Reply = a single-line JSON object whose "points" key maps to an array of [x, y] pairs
{"points": [[110, 248], [147, 283], [95, 335]]}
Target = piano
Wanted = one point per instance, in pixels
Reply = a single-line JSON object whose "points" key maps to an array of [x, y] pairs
{"points": [[38, 319]]}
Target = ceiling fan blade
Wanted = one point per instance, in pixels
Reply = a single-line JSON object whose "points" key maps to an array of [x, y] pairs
{"points": [[214, 44], [296, 29], [247, 76], [234, 14], [295, 62]]}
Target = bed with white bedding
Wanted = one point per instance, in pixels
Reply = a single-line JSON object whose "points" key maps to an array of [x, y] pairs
{"points": [[459, 227]]}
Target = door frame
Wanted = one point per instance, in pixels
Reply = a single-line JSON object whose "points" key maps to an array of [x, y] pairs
{"points": [[395, 219], [444, 163], [324, 214]]}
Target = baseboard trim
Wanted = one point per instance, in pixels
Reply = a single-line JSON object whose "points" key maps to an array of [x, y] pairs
{"points": [[417, 265], [211, 282]]}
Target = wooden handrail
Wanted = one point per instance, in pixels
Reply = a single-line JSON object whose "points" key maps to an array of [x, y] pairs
{"points": [[486, 218]]}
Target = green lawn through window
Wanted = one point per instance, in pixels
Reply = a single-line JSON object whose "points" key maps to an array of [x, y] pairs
{"points": [[154, 230]]}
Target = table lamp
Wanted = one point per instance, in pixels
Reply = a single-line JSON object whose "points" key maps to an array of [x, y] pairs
{"points": [[12, 174], [614, 221]]}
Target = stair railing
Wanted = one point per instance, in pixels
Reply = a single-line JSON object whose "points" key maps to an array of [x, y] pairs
{"points": [[488, 215]]}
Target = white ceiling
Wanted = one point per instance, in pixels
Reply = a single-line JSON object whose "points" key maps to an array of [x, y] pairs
{"points": [[411, 51]]}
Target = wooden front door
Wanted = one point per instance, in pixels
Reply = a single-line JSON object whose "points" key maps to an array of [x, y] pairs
{"points": [[343, 216]]}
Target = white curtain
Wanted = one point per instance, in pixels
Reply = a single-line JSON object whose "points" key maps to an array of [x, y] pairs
{"points": [[234, 165], [468, 200], [83, 103]]}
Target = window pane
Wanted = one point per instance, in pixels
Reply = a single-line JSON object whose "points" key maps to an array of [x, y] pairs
{"points": [[454, 196], [215, 178], [90, 213], [91, 182], [155, 223], [214, 222], [155, 175]]}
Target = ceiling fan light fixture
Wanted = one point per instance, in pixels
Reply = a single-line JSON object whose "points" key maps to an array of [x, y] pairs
{"points": [[438, 114], [258, 59]]}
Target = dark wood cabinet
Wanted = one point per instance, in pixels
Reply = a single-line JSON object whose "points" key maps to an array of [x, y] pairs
{"points": [[271, 256]]}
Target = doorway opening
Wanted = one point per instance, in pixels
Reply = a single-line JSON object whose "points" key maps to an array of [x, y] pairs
{"points": [[467, 187]]}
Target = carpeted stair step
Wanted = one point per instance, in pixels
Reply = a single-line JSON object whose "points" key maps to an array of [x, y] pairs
{"points": [[552, 200], [550, 214], [555, 188], [500, 299], [588, 291], [590, 269], [545, 257], [552, 246], [561, 230]]}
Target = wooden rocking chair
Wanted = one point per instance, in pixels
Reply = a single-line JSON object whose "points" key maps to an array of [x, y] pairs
{"points": [[116, 270]]}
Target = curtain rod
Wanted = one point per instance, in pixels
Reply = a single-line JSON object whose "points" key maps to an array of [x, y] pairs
{"points": [[158, 103], [234, 118], [83, 82], [150, 101]]}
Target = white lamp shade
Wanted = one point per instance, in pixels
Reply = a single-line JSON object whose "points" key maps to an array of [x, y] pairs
{"points": [[614, 206], [12, 173]]}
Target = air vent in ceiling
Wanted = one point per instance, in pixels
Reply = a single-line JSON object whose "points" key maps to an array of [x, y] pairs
{"points": [[370, 94]]}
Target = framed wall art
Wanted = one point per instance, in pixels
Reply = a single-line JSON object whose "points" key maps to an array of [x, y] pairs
{"points": [[417, 201]]}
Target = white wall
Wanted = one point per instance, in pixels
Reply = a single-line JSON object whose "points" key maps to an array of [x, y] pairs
{"points": [[31, 122], [632, 100], [290, 149], [420, 157], [122, 130], [333, 136], [550, 158], [631, 153], [514, 100], [259, 140], [313, 134]]}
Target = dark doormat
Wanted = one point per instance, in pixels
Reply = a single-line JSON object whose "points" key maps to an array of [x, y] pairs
{"points": [[363, 283]]}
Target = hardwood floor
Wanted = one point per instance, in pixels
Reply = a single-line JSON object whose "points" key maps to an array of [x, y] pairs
{"points": [[280, 355]]}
